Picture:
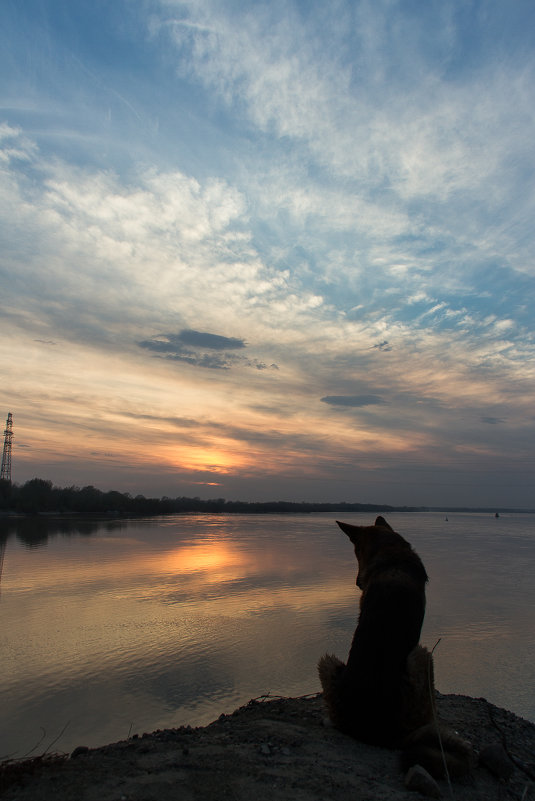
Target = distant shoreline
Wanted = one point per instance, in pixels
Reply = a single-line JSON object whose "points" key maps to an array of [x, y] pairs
{"points": [[266, 509], [40, 497]]}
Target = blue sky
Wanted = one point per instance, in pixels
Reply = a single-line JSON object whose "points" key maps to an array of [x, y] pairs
{"points": [[270, 250]]}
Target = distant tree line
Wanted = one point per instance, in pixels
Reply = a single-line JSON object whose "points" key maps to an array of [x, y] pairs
{"points": [[39, 496]]}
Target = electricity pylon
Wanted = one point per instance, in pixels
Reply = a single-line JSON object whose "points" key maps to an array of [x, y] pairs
{"points": [[5, 473]]}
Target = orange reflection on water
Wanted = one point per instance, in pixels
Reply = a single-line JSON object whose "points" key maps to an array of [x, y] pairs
{"points": [[212, 558]]}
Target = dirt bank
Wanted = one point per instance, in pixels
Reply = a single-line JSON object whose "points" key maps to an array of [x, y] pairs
{"points": [[271, 750]]}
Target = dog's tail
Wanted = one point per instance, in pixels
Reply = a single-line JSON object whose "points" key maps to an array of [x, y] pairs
{"points": [[330, 670], [441, 751]]}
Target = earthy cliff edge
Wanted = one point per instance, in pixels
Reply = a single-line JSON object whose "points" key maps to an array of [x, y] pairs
{"points": [[271, 749]]}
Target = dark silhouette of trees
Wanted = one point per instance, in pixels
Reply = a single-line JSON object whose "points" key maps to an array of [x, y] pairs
{"points": [[35, 496], [5, 493], [39, 496]]}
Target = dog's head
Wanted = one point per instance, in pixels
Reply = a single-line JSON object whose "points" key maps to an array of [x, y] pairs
{"points": [[369, 541]]}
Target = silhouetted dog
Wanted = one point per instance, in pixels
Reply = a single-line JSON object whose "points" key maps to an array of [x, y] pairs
{"points": [[385, 693]]}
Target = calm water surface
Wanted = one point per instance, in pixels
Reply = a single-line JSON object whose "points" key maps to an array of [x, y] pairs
{"points": [[113, 628]]}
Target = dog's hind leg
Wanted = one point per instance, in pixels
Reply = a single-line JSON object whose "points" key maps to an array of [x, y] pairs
{"points": [[429, 743], [418, 694]]}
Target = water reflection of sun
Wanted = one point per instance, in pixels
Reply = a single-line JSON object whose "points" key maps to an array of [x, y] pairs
{"points": [[212, 558]]}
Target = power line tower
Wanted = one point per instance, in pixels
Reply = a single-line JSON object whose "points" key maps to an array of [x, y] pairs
{"points": [[5, 473]]}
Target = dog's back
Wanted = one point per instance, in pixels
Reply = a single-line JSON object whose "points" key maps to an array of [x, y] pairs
{"points": [[385, 692], [367, 691]]}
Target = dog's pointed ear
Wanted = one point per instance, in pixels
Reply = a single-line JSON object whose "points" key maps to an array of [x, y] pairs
{"points": [[352, 532], [382, 522]]}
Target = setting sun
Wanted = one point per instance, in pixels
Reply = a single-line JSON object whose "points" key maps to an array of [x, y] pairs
{"points": [[214, 459]]}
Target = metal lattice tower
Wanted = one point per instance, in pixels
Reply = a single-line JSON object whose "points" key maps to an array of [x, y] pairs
{"points": [[6, 455]]}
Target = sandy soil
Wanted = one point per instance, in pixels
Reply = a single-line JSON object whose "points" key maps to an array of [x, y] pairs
{"points": [[278, 749]]}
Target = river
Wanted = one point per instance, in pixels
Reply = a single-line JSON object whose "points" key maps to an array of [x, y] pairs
{"points": [[116, 627]]}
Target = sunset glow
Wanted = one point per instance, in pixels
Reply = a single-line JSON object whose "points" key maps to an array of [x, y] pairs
{"points": [[208, 459]]}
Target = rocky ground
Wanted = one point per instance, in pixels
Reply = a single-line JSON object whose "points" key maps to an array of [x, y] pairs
{"points": [[274, 749]]}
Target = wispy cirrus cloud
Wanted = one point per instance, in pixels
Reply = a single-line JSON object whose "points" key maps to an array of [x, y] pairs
{"points": [[291, 84], [412, 158]]}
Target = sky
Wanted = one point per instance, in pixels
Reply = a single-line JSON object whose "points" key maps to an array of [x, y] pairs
{"points": [[271, 250]]}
